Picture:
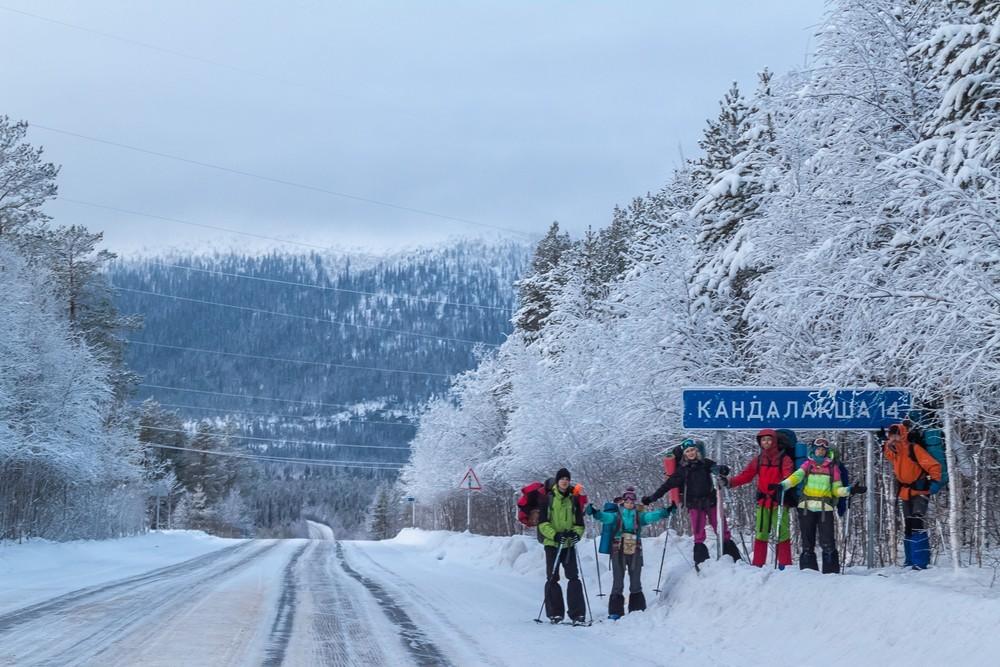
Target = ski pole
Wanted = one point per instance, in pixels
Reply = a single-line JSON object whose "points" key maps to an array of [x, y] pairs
{"points": [[847, 533], [597, 566], [718, 521], [552, 573], [781, 514], [662, 558], [583, 580]]}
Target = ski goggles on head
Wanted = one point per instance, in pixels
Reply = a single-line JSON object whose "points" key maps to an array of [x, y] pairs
{"points": [[821, 442]]}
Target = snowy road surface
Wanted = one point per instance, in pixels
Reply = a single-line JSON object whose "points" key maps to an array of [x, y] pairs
{"points": [[435, 598]]}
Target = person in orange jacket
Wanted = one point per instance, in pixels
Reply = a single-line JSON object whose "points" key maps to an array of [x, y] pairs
{"points": [[915, 471]]}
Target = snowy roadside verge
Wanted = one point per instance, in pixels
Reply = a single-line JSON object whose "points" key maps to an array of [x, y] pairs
{"points": [[730, 613], [39, 569]]}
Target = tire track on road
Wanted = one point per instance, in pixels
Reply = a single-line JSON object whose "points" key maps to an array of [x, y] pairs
{"points": [[284, 619], [422, 649]]}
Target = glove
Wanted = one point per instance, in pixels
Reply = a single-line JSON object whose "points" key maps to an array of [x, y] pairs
{"points": [[858, 488], [591, 510], [567, 539], [935, 487], [723, 471], [671, 509], [774, 487], [646, 500]]}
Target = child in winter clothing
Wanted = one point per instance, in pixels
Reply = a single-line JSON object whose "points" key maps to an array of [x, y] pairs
{"points": [[770, 466], [694, 478], [561, 524], [818, 501], [916, 473], [626, 551]]}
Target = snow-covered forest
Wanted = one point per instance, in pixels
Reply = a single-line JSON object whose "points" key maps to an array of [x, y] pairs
{"points": [[839, 228]]}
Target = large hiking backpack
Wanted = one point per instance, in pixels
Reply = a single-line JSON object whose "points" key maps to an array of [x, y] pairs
{"points": [[529, 503], [670, 460], [932, 440], [845, 479], [789, 444], [608, 529]]}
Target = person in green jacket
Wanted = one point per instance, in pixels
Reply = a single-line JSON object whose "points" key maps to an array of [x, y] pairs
{"points": [[561, 526], [626, 551]]}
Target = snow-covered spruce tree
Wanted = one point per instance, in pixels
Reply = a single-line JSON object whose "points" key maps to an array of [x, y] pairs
{"points": [[26, 182]]}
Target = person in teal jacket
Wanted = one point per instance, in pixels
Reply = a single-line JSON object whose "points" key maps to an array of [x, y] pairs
{"points": [[626, 551]]}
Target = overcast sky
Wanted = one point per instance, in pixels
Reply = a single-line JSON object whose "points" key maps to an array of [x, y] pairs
{"points": [[505, 113]]}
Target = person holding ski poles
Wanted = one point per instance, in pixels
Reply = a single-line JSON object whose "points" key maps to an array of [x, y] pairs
{"points": [[561, 524], [626, 551], [818, 501], [694, 479], [771, 465], [917, 473]]}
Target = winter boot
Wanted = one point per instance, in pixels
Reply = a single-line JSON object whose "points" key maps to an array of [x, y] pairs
{"points": [[921, 550], [700, 554], [730, 549], [831, 562], [636, 602], [616, 606], [784, 554], [908, 551], [807, 561]]}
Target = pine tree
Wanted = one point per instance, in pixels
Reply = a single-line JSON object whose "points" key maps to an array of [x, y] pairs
{"points": [[25, 181]]}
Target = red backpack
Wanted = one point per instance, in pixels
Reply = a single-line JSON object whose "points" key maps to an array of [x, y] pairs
{"points": [[535, 495]]}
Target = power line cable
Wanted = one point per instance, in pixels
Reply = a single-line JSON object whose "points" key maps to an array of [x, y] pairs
{"points": [[382, 295], [349, 406], [146, 45], [181, 406], [304, 317], [279, 181], [276, 459], [324, 364], [279, 440]]}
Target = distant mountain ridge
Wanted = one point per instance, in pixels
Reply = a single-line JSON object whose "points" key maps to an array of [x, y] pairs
{"points": [[307, 347]]}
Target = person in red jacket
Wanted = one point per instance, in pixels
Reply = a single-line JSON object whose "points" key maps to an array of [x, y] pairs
{"points": [[769, 466], [916, 471]]}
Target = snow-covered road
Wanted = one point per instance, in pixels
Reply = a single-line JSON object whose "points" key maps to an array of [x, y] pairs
{"points": [[456, 599]]}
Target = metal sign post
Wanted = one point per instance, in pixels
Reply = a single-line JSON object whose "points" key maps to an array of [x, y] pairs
{"points": [[413, 511], [470, 483], [870, 499]]}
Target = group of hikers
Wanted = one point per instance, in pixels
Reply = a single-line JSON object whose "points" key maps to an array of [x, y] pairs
{"points": [[812, 490]]}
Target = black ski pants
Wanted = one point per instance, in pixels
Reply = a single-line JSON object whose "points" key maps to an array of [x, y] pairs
{"points": [[809, 524], [619, 563], [574, 589]]}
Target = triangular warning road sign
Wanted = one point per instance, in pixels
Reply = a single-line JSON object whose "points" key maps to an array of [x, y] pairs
{"points": [[470, 482]]}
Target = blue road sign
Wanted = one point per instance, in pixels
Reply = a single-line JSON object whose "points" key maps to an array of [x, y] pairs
{"points": [[752, 408]]}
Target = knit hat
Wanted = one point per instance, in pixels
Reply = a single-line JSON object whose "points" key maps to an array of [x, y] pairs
{"points": [[693, 442], [563, 473], [629, 494]]}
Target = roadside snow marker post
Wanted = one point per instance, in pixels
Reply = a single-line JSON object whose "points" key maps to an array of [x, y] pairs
{"points": [[413, 511], [870, 499], [470, 483]]}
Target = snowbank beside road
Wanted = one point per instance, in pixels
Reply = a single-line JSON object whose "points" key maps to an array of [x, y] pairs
{"points": [[729, 614], [38, 570]]}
